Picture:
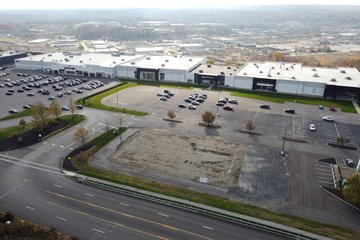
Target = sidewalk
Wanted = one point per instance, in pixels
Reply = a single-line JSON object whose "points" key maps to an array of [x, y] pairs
{"points": [[356, 106]]}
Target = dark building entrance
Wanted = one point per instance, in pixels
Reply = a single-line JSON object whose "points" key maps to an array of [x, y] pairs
{"points": [[264, 84], [147, 74], [215, 80], [339, 92]]}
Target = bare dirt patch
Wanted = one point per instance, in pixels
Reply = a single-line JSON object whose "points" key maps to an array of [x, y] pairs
{"points": [[206, 159]]}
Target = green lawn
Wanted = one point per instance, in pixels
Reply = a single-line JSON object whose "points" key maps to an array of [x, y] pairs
{"points": [[345, 106], [187, 86], [94, 101], [25, 113], [211, 200]]}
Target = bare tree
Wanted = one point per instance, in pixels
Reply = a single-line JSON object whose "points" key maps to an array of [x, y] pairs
{"points": [[342, 140], [81, 135], [171, 114], [72, 106], [22, 123], [208, 117], [250, 125], [40, 115], [55, 108]]}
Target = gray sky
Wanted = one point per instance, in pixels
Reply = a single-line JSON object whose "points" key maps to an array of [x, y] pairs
{"points": [[111, 4]]}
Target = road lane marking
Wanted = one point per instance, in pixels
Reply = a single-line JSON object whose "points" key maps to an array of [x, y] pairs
{"points": [[26, 165], [97, 230], [61, 146], [104, 220], [80, 140], [14, 188], [90, 195], [206, 227], [53, 144], [29, 162], [163, 215], [58, 186], [128, 215], [124, 204], [63, 219], [31, 208]]}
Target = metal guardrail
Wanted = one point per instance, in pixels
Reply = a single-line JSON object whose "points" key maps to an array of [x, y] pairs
{"points": [[292, 234]]}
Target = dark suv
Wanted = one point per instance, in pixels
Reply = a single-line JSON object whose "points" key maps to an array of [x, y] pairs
{"points": [[292, 111]]}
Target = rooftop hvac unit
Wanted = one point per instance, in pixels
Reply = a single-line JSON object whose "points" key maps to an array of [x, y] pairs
{"points": [[342, 71], [166, 60], [348, 78], [269, 75], [333, 80], [114, 62], [245, 73], [209, 65], [148, 58], [49, 55], [222, 73], [201, 71], [81, 61], [293, 77], [278, 73], [190, 59], [71, 56], [316, 75], [228, 67], [286, 68], [163, 65], [272, 67], [132, 63], [122, 59], [230, 74], [314, 69], [261, 72]]}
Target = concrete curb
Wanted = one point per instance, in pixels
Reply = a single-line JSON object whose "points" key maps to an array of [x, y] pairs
{"points": [[196, 207]]}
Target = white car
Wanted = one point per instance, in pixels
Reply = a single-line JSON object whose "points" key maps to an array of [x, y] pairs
{"points": [[233, 101], [312, 127], [159, 94], [328, 118], [13, 111], [191, 107]]}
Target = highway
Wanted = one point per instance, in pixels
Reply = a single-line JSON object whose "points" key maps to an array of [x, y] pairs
{"points": [[33, 187]]}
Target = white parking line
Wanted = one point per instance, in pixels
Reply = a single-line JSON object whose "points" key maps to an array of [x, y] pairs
{"points": [[163, 215], [58, 186], [90, 195], [337, 131], [210, 228], [97, 230], [31, 208], [124, 204], [328, 178], [63, 219]]}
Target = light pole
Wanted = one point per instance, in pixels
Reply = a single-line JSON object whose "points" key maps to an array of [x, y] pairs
{"points": [[117, 98]]}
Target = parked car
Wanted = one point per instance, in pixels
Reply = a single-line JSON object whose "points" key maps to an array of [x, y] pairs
{"points": [[199, 100], [20, 90], [191, 107], [328, 119], [79, 107], [233, 101], [9, 93], [349, 163], [223, 100], [166, 91], [195, 103], [312, 127], [228, 108], [65, 108], [30, 94], [159, 94], [188, 100], [220, 104], [13, 111], [321, 107], [182, 106], [171, 94], [26, 106], [163, 98], [51, 98], [59, 95], [265, 106], [291, 111], [332, 108]]}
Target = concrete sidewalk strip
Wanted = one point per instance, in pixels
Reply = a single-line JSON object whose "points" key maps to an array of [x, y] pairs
{"points": [[356, 106], [262, 224]]}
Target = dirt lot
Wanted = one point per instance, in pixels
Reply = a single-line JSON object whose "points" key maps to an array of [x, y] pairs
{"points": [[213, 160]]}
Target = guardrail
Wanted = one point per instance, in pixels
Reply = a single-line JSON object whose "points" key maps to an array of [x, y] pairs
{"points": [[253, 222]]}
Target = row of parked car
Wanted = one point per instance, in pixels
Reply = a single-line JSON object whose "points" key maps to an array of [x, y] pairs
{"points": [[193, 101], [28, 106]]}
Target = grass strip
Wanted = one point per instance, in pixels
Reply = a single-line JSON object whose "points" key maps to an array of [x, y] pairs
{"points": [[345, 106], [94, 100], [186, 86], [328, 230], [25, 113]]}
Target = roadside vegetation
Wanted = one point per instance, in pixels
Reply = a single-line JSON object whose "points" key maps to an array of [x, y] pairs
{"points": [[80, 161], [94, 100], [25, 113], [345, 106], [14, 228], [186, 86]]}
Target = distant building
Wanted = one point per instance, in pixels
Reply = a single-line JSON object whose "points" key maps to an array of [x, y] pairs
{"points": [[10, 56]]}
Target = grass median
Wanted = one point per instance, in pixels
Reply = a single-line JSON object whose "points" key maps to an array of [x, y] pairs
{"points": [[80, 161], [25, 113], [94, 101], [345, 106]]}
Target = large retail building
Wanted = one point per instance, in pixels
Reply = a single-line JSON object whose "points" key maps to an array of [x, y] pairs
{"points": [[290, 78]]}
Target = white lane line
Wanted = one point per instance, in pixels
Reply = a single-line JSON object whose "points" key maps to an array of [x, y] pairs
{"points": [[206, 227], [70, 148], [93, 129], [61, 146], [337, 131], [124, 204], [294, 126], [29, 162], [58, 186], [31, 208], [30, 166], [90, 195], [53, 144], [103, 124], [102, 131], [63, 219], [163, 215], [97, 230], [327, 178]]}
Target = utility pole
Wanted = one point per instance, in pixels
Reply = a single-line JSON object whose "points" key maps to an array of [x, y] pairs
{"points": [[283, 145], [120, 123], [117, 98]]}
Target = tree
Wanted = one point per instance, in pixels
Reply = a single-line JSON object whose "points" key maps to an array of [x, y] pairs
{"points": [[250, 125], [277, 56], [352, 189], [81, 135], [40, 115], [72, 106], [342, 140], [171, 114], [208, 117], [55, 108], [22, 123]]}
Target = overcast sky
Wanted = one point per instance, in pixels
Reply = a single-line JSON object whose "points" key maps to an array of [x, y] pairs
{"points": [[111, 4]]}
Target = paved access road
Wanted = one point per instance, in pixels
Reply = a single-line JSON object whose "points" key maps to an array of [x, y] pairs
{"points": [[33, 187]]}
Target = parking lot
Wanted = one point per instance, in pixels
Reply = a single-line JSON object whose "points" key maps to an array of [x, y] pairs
{"points": [[29, 87]]}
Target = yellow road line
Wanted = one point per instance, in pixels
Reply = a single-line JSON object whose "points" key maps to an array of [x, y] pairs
{"points": [[130, 216], [103, 220]]}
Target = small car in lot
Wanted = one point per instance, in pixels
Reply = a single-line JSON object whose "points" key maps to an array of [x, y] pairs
{"points": [[328, 119], [166, 91], [64, 108], [223, 100], [332, 108], [182, 106], [321, 107], [80, 107], [199, 100], [291, 111], [30, 94], [27, 106], [312, 127], [13, 111], [20, 90], [171, 94], [11, 90], [195, 103], [220, 104], [167, 96], [228, 108], [51, 98], [9, 93], [265, 106], [233, 101], [191, 107], [159, 94], [349, 163], [59, 95], [163, 98], [188, 100]]}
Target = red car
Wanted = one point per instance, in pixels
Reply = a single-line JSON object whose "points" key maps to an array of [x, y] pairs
{"points": [[332, 108], [228, 108]]}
